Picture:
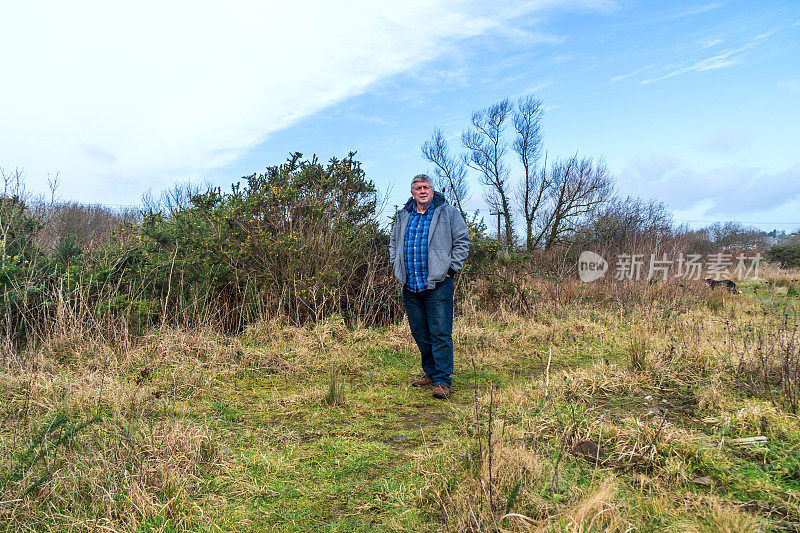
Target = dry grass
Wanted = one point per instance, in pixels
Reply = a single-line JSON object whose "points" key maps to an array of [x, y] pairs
{"points": [[600, 407], [721, 519]]}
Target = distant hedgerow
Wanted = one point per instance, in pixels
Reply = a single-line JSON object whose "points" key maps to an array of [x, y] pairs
{"points": [[787, 255]]}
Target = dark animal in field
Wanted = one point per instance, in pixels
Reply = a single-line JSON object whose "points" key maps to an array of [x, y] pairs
{"points": [[724, 283]]}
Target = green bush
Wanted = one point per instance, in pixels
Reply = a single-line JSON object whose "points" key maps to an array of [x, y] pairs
{"points": [[787, 255], [301, 241], [24, 274], [482, 248]]}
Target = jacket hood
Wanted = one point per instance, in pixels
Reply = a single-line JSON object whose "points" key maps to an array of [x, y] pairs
{"points": [[438, 199]]}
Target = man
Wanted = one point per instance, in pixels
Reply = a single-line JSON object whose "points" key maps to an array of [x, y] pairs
{"points": [[429, 246]]}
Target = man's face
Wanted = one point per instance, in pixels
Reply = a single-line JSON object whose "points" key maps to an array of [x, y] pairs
{"points": [[422, 193]]}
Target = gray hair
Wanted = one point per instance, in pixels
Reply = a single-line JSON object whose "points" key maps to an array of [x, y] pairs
{"points": [[421, 177]]}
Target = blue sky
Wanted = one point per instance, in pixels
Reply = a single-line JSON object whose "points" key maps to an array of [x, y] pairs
{"points": [[696, 104]]}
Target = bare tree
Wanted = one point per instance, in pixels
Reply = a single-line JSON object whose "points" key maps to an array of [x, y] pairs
{"points": [[528, 145], [13, 183], [53, 183], [175, 199], [486, 151], [734, 235], [450, 174], [577, 187], [629, 222], [89, 225]]}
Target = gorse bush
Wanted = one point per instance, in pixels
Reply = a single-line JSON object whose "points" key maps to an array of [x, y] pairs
{"points": [[301, 241], [39, 288], [25, 278], [482, 248]]}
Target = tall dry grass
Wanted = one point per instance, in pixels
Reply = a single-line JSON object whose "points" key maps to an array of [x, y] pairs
{"points": [[673, 346]]}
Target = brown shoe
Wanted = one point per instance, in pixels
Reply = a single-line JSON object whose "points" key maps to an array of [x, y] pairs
{"points": [[422, 382], [441, 391]]}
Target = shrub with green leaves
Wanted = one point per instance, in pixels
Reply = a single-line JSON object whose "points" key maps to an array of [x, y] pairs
{"points": [[482, 248], [23, 273], [301, 240], [787, 255]]}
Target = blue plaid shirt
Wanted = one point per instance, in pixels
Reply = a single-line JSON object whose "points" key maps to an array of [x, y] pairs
{"points": [[415, 249]]}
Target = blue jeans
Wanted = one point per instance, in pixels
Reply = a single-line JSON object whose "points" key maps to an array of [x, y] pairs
{"points": [[430, 315]]}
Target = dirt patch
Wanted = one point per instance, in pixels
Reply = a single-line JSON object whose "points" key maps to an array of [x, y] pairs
{"points": [[422, 416]]}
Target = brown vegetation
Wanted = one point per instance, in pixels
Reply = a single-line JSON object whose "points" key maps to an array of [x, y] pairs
{"points": [[600, 406]]}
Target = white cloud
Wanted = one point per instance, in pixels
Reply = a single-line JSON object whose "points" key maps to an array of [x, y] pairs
{"points": [[726, 142], [636, 72], [726, 58], [709, 43], [731, 192], [718, 61], [669, 16], [702, 9], [792, 86], [119, 97], [537, 87]]}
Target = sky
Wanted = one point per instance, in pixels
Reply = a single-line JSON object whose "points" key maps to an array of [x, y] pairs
{"points": [[696, 104]]}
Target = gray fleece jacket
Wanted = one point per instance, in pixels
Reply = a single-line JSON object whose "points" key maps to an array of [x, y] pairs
{"points": [[448, 241]]}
